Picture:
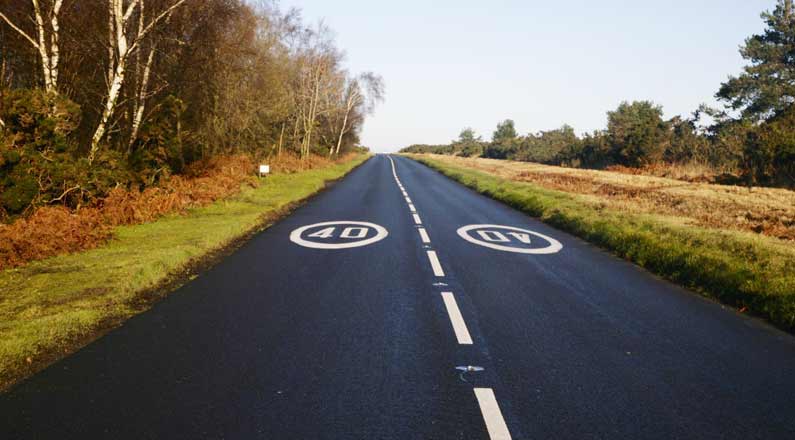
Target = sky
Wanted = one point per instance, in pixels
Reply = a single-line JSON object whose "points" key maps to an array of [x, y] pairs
{"points": [[451, 64]]}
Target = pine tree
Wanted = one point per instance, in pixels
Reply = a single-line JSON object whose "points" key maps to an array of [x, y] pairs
{"points": [[767, 85]]}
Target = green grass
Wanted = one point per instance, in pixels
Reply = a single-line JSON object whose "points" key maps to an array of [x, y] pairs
{"points": [[52, 307], [740, 269]]}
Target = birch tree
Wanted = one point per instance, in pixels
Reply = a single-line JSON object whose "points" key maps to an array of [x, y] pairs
{"points": [[356, 98], [125, 38], [45, 41], [314, 75], [143, 74]]}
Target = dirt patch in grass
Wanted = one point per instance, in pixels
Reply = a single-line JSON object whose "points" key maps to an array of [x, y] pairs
{"points": [[689, 172]]}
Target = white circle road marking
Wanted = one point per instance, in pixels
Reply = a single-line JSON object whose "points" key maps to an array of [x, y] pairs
{"points": [[380, 234], [488, 238]]}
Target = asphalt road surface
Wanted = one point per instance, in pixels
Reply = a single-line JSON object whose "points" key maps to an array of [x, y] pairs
{"points": [[354, 330]]}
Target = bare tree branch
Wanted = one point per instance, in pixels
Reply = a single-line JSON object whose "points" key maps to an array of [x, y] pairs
{"points": [[20, 31]]}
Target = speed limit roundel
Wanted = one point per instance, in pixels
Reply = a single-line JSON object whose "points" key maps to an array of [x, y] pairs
{"points": [[510, 239], [338, 235]]}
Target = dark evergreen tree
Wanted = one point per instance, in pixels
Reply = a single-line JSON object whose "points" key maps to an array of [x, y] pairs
{"points": [[767, 85]]}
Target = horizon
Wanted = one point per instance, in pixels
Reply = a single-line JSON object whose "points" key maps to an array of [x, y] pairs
{"points": [[444, 78]]}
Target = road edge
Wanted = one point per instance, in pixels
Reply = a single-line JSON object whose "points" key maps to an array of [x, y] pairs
{"points": [[144, 299]]}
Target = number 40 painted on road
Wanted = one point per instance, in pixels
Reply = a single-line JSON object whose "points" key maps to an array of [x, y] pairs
{"points": [[350, 232]]}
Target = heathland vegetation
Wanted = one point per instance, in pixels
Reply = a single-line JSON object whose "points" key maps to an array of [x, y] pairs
{"points": [[119, 111], [750, 140]]}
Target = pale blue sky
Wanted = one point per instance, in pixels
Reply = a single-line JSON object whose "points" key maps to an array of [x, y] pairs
{"points": [[455, 63]]}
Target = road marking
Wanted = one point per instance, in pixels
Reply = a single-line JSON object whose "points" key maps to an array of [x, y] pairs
{"points": [[459, 326], [408, 200], [412, 208], [435, 264], [492, 234], [492, 415], [360, 229], [424, 235], [417, 219]]}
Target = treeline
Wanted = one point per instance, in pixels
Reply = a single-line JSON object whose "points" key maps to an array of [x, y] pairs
{"points": [[97, 95], [750, 140]]}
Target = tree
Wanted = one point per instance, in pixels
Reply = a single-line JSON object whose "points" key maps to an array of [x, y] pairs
{"points": [[505, 132], [547, 146], [686, 144], [637, 133], [769, 156], [46, 42], [361, 93], [468, 144], [319, 80], [124, 40], [468, 135], [767, 85]]}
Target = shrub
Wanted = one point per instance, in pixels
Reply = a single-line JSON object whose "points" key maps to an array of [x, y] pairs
{"points": [[769, 153], [40, 164], [637, 133], [160, 148]]}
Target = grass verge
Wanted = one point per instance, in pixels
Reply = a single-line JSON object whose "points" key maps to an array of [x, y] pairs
{"points": [[751, 272], [50, 308]]}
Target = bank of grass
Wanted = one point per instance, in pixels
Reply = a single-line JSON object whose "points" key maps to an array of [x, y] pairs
{"points": [[751, 272], [50, 308]]}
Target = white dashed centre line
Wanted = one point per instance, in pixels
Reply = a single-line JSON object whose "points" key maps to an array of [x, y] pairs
{"points": [[435, 265], [492, 415], [459, 326], [424, 236], [495, 423]]}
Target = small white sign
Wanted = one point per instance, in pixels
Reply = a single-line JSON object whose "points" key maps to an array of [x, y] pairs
{"points": [[264, 169]]}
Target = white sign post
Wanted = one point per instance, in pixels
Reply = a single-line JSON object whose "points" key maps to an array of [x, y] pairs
{"points": [[264, 169]]}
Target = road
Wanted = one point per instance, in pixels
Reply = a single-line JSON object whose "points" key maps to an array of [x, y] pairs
{"points": [[286, 340]]}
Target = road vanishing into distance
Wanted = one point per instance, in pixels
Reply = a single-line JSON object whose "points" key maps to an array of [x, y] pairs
{"points": [[401, 305]]}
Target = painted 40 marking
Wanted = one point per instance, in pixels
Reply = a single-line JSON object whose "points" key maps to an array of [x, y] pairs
{"points": [[510, 239], [338, 235], [349, 232]]}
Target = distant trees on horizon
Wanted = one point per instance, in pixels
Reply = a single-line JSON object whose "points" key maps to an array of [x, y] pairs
{"points": [[753, 135]]}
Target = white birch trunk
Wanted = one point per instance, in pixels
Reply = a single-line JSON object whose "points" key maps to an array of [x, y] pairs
{"points": [[107, 112], [49, 54], [342, 133], [42, 46], [122, 46], [142, 95], [55, 50]]}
